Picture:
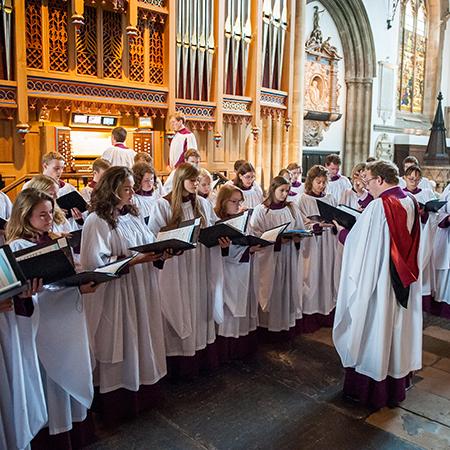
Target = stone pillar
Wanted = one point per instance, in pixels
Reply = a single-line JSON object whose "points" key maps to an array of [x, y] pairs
{"points": [[357, 130], [266, 140], [277, 125], [295, 149]]}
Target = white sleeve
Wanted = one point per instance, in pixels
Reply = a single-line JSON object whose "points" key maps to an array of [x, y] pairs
{"points": [[191, 141], [95, 243], [160, 217]]}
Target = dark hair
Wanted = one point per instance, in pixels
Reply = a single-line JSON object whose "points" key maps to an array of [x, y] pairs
{"points": [[274, 185], [105, 197], [243, 169], [371, 159], [139, 170], [143, 157], [413, 169], [333, 159], [293, 166], [238, 163], [314, 172], [100, 164], [410, 160], [386, 170], [191, 152], [119, 134]]}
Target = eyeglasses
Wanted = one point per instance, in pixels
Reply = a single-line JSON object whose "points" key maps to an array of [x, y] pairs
{"points": [[249, 177], [366, 180], [413, 180], [236, 202]]}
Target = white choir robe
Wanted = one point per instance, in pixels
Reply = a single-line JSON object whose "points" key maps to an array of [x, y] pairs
{"points": [[337, 188], [372, 333], [5, 212], [424, 184], [276, 273], [119, 156], [145, 203], [427, 239], [441, 254], [240, 303], [322, 258], [191, 286], [168, 184], [298, 190], [350, 198], [124, 315], [63, 350], [23, 411], [253, 196], [86, 193], [182, 140]]}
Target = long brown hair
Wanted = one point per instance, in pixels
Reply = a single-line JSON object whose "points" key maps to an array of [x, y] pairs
{"points": [[314, 172], [242, 170], [139, 170], [105, 197], [19, 225], [225, 193], [274, 185], [44, 183], [185, 171]]}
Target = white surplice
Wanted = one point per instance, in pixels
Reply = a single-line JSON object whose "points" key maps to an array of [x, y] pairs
{"points": [[424, 183], [5, 212], [240, 304], [63, 351], [124, 315], [321, 261], [181, 142], [276, 273], [337, 188], [441, 254], [191, 286], [119, 156], [253, 196], [350, 198], [372, 333], [23, 410], [145, 203]]}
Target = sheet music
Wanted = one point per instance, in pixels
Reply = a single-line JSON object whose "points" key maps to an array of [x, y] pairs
{"points": [[8, 278], [271, 235], [239, 222], [114, 267], [38, 252], [350, 210]]}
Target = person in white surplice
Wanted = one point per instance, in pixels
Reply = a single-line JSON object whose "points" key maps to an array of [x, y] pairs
{"points": [[378, 323], [183, 140], [337, 183]]}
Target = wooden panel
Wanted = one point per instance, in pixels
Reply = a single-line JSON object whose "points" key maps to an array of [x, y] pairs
{"points": [[6, 141]]}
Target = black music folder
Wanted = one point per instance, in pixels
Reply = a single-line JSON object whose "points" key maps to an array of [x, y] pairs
{"points": [[432, 205], [12, 279], [72, 200], [269, 237], [342, 214]]}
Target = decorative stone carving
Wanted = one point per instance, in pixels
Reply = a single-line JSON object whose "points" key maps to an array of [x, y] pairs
{"points": [[321, 86], [384, 148]]}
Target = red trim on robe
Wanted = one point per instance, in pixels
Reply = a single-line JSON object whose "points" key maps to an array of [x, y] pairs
{"points": [[404, 245], [181, 158]]}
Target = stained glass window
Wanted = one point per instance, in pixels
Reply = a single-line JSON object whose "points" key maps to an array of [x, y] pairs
{"points": [[413, 47]]}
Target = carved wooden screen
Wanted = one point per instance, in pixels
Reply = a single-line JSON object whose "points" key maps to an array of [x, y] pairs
{"points": [[86, 43], [112, 44], [137, 52], [33, 33], [58, 36], [156, 51], [160, 3]]}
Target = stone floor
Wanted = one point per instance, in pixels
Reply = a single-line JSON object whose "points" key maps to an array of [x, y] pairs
{"points": [[289, 397]]}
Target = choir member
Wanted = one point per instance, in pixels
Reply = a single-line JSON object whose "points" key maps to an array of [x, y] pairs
{"points": [[378, 324], [441, 258], [5, 213], [119, 154], [425, 183], [147, 158], [296, 178], [61, 333], [276, 273], [144, 188], [188, 303], [240, 305], [337, 183], [23, 411], [245, 181], [124, 315], [357, 197], [412, 178], [320, 254], [191, 156], [98, 168], [205, 187], [183, 140]]}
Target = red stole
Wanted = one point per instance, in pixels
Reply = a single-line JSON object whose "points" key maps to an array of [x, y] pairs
{"points": [[181, 158], [404, 246]]}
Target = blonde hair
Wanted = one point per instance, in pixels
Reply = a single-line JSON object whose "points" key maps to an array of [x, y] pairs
{"points": [[143, 157], [183, 172], [44, 183], [191, 152], [204, 173], [100, 164], [50, 156], [19, 225], [225, 193]]}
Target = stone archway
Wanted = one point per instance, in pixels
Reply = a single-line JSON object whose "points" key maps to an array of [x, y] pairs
{"points": [[356, 36]]}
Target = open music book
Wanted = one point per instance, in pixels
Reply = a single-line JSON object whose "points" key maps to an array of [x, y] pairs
{"points": [[269, 237], [289, 234], [432, 205], [184, 237], [342, 214], [12, 279], [72, 200], [233, 228]]}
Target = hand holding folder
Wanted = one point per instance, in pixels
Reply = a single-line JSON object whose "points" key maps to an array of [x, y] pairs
{"points": [[72, 200]]}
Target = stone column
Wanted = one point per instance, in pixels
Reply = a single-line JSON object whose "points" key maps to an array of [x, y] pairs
{"points": [[357, 122], [266, 141], [277, 125]]}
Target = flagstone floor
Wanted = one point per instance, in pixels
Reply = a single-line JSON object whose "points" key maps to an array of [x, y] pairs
{"points": [[289, 397]]}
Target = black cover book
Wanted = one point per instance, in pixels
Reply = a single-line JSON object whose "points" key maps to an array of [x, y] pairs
{"points": [[72, 200], [74, 239], [432, 205], [269, 237], [3, 223], [51, 262], [330, 213], [12, 279]]}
